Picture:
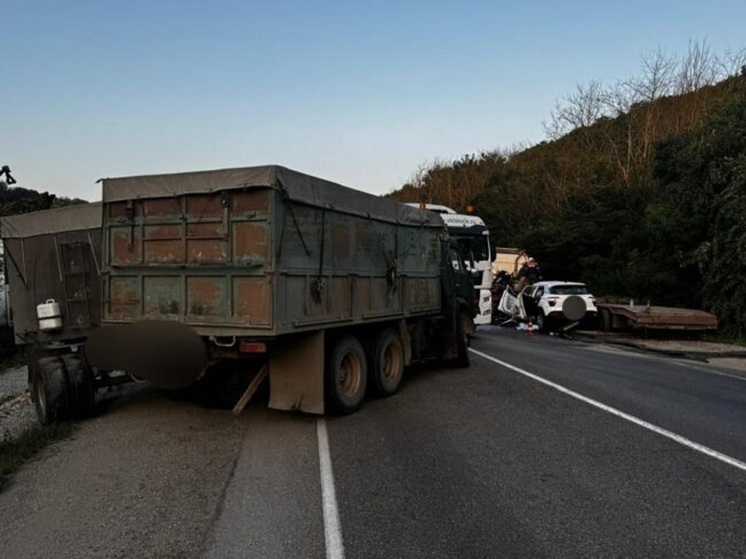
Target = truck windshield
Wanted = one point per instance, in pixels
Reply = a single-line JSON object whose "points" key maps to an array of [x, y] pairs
{"points": [[473, 248]]}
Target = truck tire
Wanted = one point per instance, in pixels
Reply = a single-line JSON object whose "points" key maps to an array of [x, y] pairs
{"points": [[386, 364], [32, 370], [346, 375], [462, 343], [80, 388], [50, 391]]}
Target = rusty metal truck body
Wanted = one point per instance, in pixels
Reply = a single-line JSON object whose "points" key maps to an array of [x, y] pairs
{"points": [[54, 255], [631, 317], [263, 252], [327, 290]]}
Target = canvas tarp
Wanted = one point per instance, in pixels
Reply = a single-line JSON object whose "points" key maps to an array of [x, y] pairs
{"points": [[296, 186], [78, 217]]}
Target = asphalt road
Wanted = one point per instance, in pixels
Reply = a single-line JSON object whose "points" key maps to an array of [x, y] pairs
{"points": [[544, 447]]}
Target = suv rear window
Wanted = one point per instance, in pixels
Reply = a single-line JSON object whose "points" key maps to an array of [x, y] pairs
{"points": [[569, 290]]}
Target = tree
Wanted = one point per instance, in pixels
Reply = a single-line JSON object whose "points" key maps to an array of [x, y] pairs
{"points": [[18, 200], [638, 191], [703, 179]]}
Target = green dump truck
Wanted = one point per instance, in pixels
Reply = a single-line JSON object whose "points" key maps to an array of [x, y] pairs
{"points": [[235, 274]]}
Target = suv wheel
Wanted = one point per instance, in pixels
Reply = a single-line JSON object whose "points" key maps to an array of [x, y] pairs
{"points": [[542, 322]]}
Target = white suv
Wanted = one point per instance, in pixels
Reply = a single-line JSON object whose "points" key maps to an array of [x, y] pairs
{"points": [[559, 303]]}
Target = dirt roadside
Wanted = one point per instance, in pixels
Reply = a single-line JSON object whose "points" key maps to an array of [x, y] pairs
{"points": [[16, 410], [145, 478]]}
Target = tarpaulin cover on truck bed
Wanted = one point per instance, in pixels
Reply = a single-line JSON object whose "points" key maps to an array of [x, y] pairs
{"points": [[57, 220], [298, 187]]}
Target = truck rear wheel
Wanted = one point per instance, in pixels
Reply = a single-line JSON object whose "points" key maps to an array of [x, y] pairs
{"points": [[49, 391], [80, 386], [462, 341], [346, 375], [387, 363]]}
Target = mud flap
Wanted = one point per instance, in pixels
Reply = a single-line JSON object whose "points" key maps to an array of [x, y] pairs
{"points": [[296, 373]]}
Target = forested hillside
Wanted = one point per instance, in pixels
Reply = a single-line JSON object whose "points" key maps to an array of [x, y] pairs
{"points": [[18, 200], [640, 189]]}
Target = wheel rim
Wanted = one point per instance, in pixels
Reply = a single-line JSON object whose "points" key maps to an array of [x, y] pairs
{"points": [[351, 374], [392, 360]]}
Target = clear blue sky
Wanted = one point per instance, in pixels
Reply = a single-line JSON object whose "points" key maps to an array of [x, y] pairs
{"points": [[361, 93]]}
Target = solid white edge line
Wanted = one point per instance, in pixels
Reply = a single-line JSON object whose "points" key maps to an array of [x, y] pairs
{"points": [[332, 529], [637, 421], [689, 364], [700, 368]]}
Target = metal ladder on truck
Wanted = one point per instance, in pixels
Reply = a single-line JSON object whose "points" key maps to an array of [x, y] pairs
{"points": [[75, 266]]}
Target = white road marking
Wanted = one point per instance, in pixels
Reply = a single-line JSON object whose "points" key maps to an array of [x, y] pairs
{"points": [[702, 367], [637, 421], [332, 528]]}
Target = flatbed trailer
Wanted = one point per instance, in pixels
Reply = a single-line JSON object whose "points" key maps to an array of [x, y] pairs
{"points": [[618, 316]]}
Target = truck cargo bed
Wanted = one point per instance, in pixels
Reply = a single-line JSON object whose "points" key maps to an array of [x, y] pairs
{"points": [[54, 255], [262, 252]]}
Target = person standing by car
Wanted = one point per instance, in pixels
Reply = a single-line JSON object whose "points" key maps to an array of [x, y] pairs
{"points": [[529, 274]]}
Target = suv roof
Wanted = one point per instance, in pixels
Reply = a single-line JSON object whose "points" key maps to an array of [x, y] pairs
{"points": [[560, 288], [553, 283]]}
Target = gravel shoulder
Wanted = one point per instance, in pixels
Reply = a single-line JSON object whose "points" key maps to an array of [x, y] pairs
{"points": [[16, 410], [145, 478]]}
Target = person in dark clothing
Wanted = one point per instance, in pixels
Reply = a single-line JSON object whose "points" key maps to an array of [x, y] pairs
{"points": [[529, 274]]}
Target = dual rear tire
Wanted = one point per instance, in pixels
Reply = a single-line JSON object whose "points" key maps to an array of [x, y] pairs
{"points": [[49, 391], [351, 370], [386, 364], [62, 388], [346, 375]]}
